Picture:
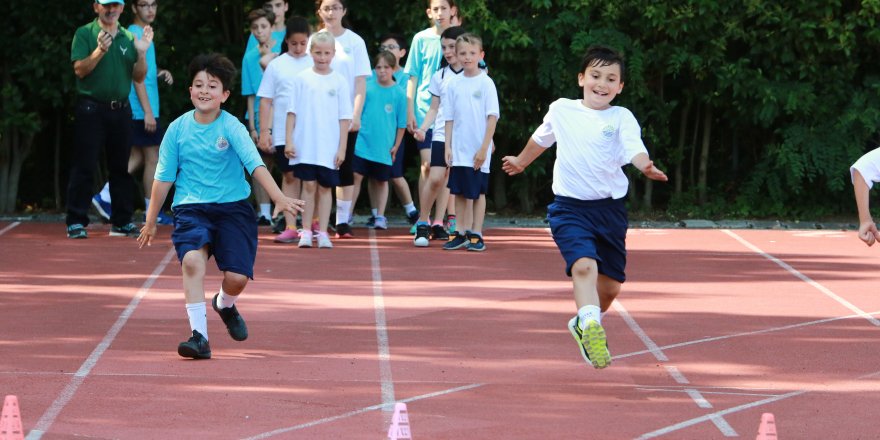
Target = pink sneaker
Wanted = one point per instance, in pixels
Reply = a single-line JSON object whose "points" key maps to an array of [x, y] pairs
{"points": [[288, 236]]}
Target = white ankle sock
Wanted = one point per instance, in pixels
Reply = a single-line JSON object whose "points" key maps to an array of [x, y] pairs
{"points": [[375, 212], [225, 300], [587, 313], [409, 207], [343, 211], [198, 320], [266, 210]]}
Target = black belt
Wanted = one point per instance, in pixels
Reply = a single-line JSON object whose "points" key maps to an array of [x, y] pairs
{"points": [[112, 105]]}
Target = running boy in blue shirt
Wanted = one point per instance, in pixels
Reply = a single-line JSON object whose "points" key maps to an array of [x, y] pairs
{"points": [[204, 154], [588, 217]]}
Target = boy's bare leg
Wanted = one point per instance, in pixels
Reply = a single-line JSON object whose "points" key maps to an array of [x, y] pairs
{"points": [[193, 268], [584, 275], [233, 283], [401, 188], [309, 188], [479, 213], [355, 190], [290, 186], [608, 290], [465, 222], [381, 191], [441, 203], [428, 194], [424, 170], [151, 159], [324, 202]]}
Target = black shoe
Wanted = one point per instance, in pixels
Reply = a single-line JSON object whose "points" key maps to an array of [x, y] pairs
{"points": [[412, 217], [438, 233], [422, 233], [457, 241], [280, 225], [129, 230], [196, 347], [234, 322], [343, 230], [263, 221]]}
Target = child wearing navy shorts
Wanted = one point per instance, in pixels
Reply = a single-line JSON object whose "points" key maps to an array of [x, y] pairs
{"points": [[380, 135], [204, 154], [588, 217], [470, 109]]}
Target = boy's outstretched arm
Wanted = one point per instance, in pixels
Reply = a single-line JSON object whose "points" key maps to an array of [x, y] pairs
{"points": [[867, 229], [514, 165], [282, 202], [157, 198], [646, 166]]}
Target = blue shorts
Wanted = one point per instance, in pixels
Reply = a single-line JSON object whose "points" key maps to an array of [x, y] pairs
{"points": [[140, 137], [325, 176], [593, 229], [467, 182], [397, 164], [373, 170], [429, 137], [346, 174], [281, 161], [228, 229], [438, 154]]}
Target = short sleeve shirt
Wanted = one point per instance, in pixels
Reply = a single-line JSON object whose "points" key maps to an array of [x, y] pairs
{"points": [[111, 78], [468, 102], [319, 103], [424, 58], [384, 113]]}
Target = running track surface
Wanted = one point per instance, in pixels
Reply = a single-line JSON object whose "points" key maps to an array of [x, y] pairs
{"points": [[713, 328]]}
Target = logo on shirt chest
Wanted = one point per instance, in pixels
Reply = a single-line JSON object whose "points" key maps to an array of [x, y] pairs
{"points": [[608, 131], [123, 49], [222, 144], [389, 108], [331, 92], [478, 94]]}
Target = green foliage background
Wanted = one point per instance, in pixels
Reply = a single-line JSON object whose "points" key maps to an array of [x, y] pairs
{"points": [[753, 108]]}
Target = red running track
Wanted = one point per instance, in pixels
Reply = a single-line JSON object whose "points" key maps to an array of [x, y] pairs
{"points": [[712, 329]]}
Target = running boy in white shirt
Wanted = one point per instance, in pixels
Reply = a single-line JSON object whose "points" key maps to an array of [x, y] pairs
{"points": [[471, 111], [275, 92], [318, 119], [588, 217]]}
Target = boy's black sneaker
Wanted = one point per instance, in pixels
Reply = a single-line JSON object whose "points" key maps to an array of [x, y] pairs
{"points": [[196, 347], [77, 231], [343, 230], [475, 243], [263, 221], [457, 241], [129, 230], [371, 222], [234, 322], [412, 217], [422, 233], [280, 224], [438, 233]]}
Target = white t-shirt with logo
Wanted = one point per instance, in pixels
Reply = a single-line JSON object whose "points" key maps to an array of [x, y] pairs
{"points": [[439, 82], [592, 146], [277, 84], [469, 101], [319, 103], [351, 59]]}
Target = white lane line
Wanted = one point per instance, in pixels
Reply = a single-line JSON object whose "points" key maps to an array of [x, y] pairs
{"points": [[804, 278], [387, 382], [721, 393], [3, 231], [695, 395], [360, 411], [696, 420], [48, 417], [737, 335]]}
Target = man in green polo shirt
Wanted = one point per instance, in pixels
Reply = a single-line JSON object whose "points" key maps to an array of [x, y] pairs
{"points": [[106, 58]]}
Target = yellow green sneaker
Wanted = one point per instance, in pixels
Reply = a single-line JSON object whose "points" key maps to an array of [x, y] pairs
{"points": [[591, 342]]}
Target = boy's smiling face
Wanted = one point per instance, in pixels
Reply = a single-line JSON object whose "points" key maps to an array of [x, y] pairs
{"points": [[601, 85], [207, 93]]}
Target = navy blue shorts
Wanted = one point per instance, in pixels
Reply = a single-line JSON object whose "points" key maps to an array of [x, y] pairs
{"points": [[228, 229], [373, 170], [399, 159], [281, 161], [438, 154], [140, 137], [325, 176], [467, 182], [593, 229], [346, 174], [429, 137]]}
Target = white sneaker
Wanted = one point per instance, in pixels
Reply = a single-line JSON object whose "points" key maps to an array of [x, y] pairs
{"points": [[381, 223], [305, 239], [324, 242]]}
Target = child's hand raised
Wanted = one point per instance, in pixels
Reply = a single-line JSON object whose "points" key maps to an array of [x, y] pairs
{"points": [[143, 43]]}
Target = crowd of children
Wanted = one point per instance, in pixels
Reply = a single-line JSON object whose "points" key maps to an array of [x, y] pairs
{"points": [[327, 120]]}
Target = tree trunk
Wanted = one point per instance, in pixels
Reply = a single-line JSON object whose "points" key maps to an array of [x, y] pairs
{"points": [[682, 135], [647, 197], [704, 155], [5, 164], [526, 201], [691, 174]]}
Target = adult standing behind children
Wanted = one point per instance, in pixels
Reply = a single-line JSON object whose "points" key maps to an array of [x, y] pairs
{"points": [[205, 154], [588, 218], [105, 60], [275, 93], [147, 130], [353, 63]]}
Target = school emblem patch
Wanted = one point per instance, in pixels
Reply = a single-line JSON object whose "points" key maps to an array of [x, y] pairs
{"points": [[478, 94], [389, 108], [608, 131], [222, 144], [331, 92]]}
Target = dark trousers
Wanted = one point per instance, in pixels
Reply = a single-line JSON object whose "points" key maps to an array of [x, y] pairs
{"points": [[100, 125]]}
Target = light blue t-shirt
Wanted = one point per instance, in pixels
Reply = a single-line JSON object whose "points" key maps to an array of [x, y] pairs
{"points": [[384, 112], [151, 81], [424, 58], [278, 36], [206, 162], [400, 78], [252, 74]]}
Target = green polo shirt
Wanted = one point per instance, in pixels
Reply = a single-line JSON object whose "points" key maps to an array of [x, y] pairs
{"points": [[111, 79]]}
